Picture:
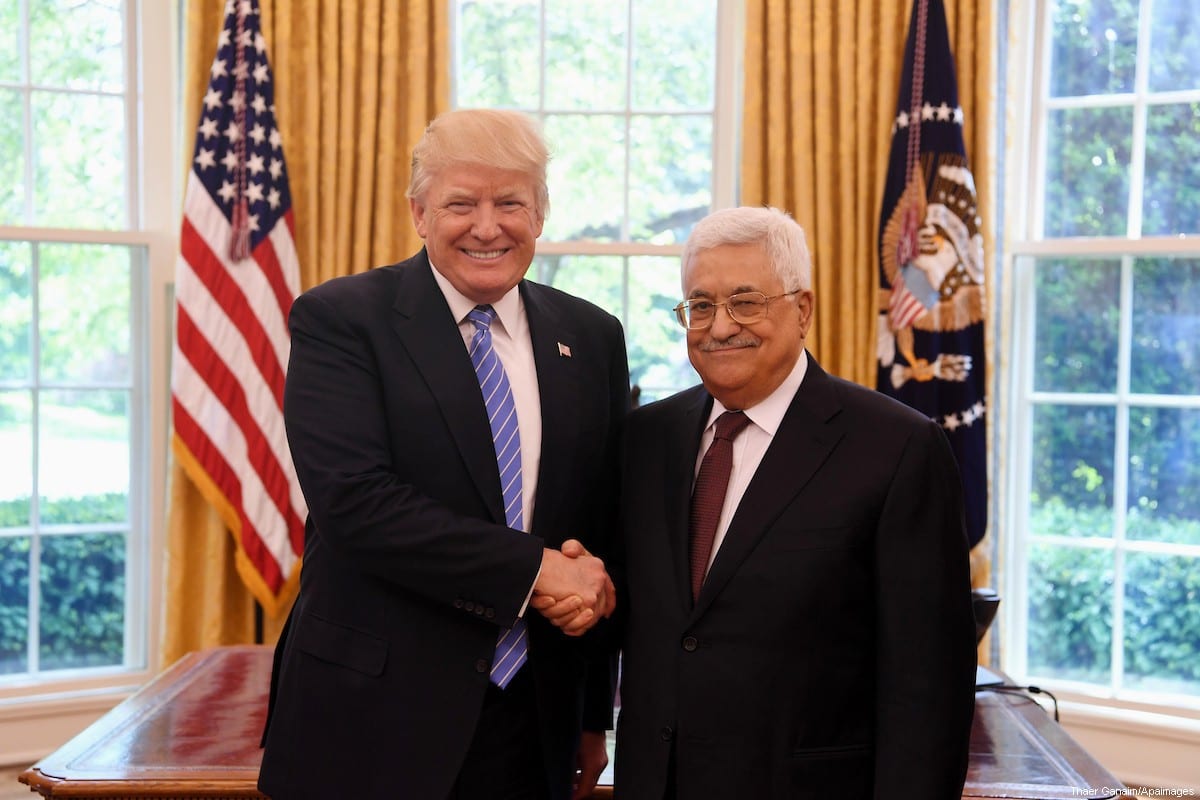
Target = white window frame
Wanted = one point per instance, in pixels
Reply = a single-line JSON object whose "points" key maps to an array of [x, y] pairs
{"points": [[1144, 738], [727, 102], [37, 716]]}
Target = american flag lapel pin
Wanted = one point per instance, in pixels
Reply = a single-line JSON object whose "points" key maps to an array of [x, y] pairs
{"points": [[563, 350]]}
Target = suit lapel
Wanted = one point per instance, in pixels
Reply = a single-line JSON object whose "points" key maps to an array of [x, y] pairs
{"points": [[804, 440], [428, 332], [681, 451], [549, 332]]}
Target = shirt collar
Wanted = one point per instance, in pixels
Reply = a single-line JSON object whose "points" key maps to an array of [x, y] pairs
{"points": [[768, 414], [508, 307]]}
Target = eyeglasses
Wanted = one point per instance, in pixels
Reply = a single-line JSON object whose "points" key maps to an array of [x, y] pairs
{"points": [[745, 308]]}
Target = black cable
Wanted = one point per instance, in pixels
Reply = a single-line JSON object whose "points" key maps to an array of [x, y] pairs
{"points": [[1009, 687]]}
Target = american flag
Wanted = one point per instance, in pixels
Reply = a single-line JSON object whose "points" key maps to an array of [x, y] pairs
{"points": [[235, 280], [932, 297]]}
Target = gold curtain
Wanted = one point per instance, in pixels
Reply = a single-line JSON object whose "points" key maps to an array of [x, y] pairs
{"points": [[822, 79], [355, 85]]}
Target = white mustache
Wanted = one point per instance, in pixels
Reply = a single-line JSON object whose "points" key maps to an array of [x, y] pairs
{"points": [[740, 340]]}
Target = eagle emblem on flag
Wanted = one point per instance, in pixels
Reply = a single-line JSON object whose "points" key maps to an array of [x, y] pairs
{"points": [[932, 294]]}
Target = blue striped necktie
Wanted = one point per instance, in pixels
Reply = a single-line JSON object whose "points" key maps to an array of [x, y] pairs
{"points": [[513, 646]]}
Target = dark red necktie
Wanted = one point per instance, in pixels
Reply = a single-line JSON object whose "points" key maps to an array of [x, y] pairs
{"points": [[709, 495]]}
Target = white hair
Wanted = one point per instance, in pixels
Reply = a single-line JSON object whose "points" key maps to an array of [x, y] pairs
{"points": [[780, 237]]}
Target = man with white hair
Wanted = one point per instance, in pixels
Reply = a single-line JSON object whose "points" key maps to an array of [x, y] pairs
{"points": [[794, 573]]}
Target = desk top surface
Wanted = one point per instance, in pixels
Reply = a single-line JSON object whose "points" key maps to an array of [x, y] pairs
{"points": [[191, 732], [194, 732]]}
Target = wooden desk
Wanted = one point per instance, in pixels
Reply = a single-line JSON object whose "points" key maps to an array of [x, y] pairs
{"points": [[193, 732]]}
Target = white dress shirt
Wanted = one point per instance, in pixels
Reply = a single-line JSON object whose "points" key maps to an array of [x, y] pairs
{"points": [[750, 445]]}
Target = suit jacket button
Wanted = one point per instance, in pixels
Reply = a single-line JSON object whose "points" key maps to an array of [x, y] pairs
{"points": [[667, 733], [490, 613], [690, 644], [469, 606], [458, 602], [481, 666], [479, 610]]}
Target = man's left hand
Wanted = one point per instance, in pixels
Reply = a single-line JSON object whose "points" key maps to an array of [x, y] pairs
{"points": [[592, 759]]}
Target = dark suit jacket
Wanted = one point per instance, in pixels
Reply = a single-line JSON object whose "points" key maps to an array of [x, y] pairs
{"points": [[831, 652], [409, 572]]}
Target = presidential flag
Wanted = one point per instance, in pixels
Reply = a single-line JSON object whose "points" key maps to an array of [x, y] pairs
{"points": [[930, 344], [235, 280]]}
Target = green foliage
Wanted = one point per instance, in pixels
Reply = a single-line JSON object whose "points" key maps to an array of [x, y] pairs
{"points": [[14, 603], [1166, 326], [77, 44], [1070, 612], [496, 66], [85, 339], [1071, 595], [1172, 183], [16, 306], [1072, 457], [82, 581], [12, 152], [1087, 171], [1094, 52], [81, 586], [1162, 621], [1076, 325], [101, 508], [1094, 47]]}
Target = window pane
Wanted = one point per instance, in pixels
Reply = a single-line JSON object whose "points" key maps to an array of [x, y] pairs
{"points": [[658, 361], [1166, 327], [16, 312], [670, 177], [12, 158], [10, 43], [85, 335], [77, 45], [1072, 470], [1172, 203], [79, 160], [1077, 324], [587, 153], [82, 601], [674, 54], [1094, 47], [14, 602], [594, 278], [1164, 475], [1162, 623], [83, 456], [16, 463], [1175, 41], [1070, 612], [585, 54], [497, 46], [1087, 171]]}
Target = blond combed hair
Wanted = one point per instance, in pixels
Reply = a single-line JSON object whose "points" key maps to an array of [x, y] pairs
{"points": [[490, 137]]}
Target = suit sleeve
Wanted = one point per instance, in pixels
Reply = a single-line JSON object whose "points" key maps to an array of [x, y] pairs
{"points": [[926, 637], [373, 518]]}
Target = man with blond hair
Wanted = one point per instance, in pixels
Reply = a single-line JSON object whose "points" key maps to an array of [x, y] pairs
{"points": [[453, 427]]}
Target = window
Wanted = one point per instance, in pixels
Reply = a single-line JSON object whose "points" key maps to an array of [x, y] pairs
{"points": [[81, 241], [637, 102], [1105, 472]]}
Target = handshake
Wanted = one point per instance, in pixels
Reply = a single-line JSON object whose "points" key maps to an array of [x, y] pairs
{"points": [[573, 590]]}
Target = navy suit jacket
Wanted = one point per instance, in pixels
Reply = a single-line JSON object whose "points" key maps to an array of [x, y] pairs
{"points": [[831, 651], [409, 572]]}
